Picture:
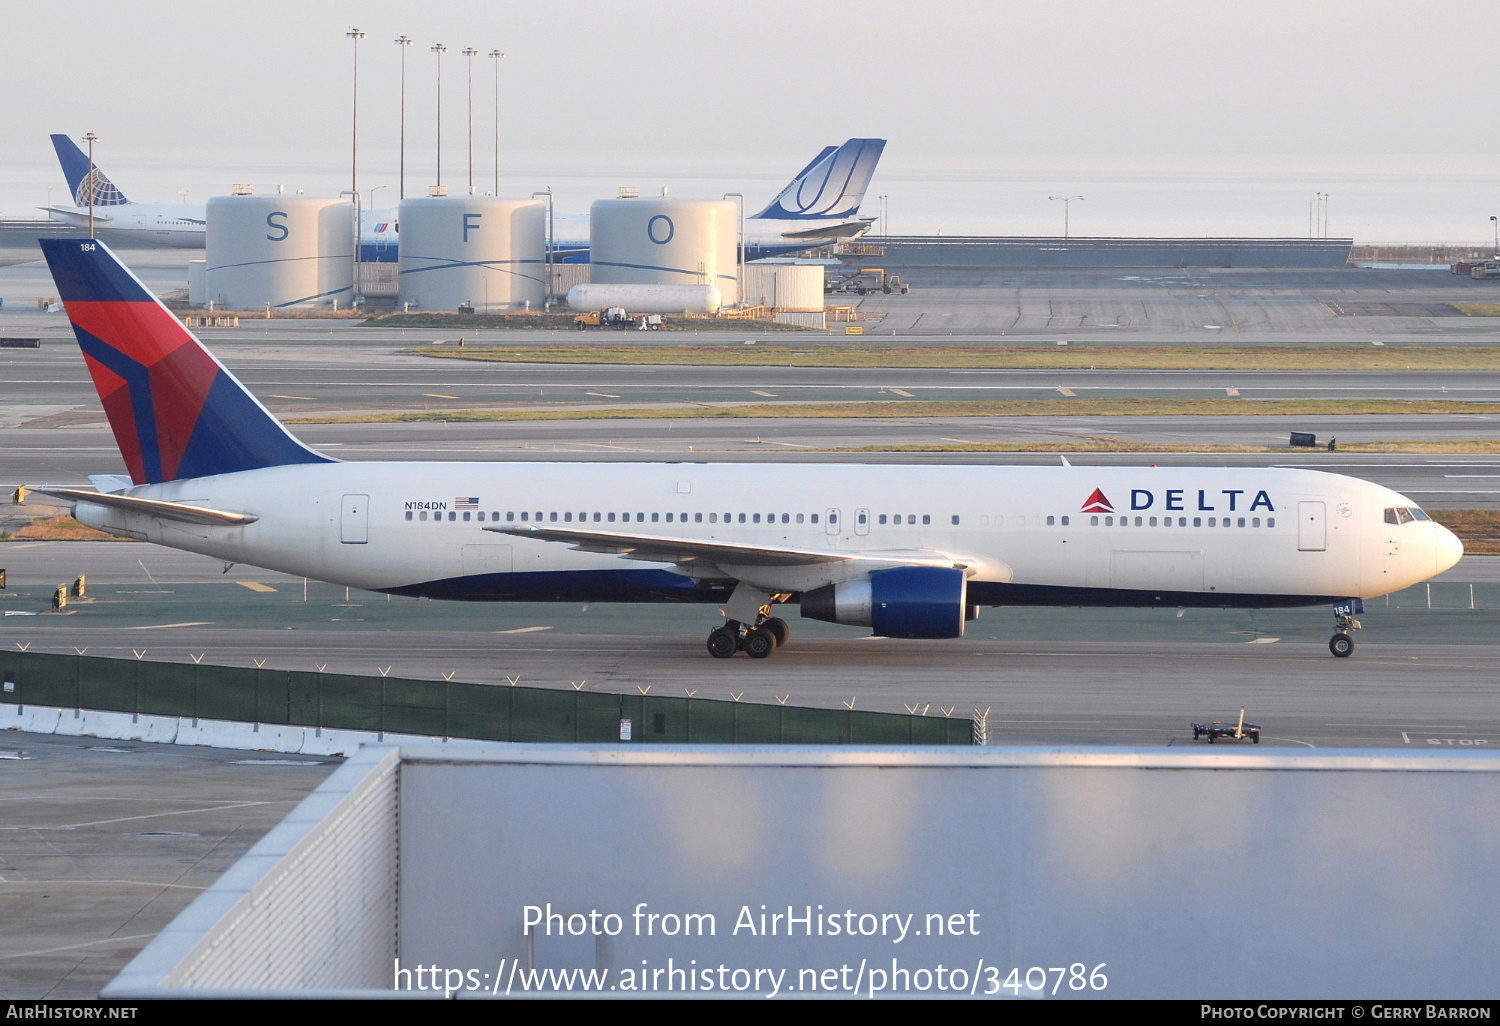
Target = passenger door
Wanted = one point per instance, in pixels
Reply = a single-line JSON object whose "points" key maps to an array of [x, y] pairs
{"points": [[354, 521], [1312, 527]]}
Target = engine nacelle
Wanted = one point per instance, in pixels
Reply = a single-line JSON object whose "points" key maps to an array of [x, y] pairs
{"points": [[902, 602]]}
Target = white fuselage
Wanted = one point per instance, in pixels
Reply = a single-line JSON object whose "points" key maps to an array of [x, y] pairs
{"points": [[1178, 536], [171, 225]]}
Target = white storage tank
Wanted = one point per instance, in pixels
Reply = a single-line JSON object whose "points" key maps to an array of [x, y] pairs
{"points": [[647, 299], [472, 252], [663, 241], [789, 287], [291, 252]]}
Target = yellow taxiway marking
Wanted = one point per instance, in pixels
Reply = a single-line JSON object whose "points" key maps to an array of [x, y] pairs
{"points": [[602, 395], [525, 630], [1066, 391], [307, 397], [768, 395], [772, 441], [1231, 391], [962, 441], [902, 391], [157, 626], [434, 395], [255, 586]]}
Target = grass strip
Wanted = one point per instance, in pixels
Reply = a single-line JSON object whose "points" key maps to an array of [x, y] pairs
{"points": [[911, 409]]}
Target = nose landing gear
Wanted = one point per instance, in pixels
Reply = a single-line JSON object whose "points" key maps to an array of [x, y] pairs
{"points": [[1342, 642]]}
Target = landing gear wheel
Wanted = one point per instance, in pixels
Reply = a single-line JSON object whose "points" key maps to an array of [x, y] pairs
{"points": [[722, 643], [758, 643], [1341, 645], [1255, 738], [779, 629]]}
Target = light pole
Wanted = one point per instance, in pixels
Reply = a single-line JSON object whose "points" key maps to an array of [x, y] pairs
{"points": [[439, 49], [547, 257], [885, 212], [739, 282], [1496, 222], [403, 42], [498, 56], [471, 53], [91, 138], [183, 193], [1067, 202], [356, 35]]}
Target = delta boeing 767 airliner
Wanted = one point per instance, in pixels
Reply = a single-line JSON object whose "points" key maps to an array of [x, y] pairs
{"points": [[909, 551]]}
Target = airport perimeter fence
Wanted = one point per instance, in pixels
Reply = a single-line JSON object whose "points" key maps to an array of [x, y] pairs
{"points": [[449, 709]]}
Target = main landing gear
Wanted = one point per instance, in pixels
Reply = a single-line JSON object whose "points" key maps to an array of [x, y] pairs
{"points": [[1342, 642], [755, 632]]}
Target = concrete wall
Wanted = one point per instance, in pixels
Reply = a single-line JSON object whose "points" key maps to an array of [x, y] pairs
{"points": [[1157, 874]]}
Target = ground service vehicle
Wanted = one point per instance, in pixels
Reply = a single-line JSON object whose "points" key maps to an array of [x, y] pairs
{"points": [[613, 317], [870, 279]]}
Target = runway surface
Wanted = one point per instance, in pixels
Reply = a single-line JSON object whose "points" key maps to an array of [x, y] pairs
{"points": [[88, 883]]}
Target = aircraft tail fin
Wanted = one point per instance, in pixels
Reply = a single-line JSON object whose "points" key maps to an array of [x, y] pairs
{"points": [[175, 410], [831, 186], [83, 178]]}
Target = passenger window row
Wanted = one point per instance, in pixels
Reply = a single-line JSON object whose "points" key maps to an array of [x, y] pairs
{"points": [[1179, 521], [568, 517]]}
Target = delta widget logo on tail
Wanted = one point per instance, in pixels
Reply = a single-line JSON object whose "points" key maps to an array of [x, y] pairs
{"points": [[1097, 502]]}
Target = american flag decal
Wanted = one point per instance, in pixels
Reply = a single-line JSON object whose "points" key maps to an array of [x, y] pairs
{"points": [[466, 502]]}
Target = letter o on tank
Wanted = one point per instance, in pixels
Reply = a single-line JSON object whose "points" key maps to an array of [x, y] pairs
{"points": [[660, 229]]}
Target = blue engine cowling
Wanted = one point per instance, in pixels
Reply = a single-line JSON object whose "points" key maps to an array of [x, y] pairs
{"points": [[903, 602]]}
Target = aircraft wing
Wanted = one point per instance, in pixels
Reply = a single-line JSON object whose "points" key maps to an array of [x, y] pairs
{"points": [[154, 507], [688, 551]]}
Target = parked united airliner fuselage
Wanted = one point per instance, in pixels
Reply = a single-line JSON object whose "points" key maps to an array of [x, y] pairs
{"points": [[910, 551]]}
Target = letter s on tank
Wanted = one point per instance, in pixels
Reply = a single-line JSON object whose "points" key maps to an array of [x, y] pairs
{"points": [[278, 226]]}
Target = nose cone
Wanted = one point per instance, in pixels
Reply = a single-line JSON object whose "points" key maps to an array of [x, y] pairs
{"points": [[1447, 550]]}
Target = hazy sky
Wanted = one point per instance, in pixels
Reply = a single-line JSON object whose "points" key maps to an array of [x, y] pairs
{"points": [[199, 94]]}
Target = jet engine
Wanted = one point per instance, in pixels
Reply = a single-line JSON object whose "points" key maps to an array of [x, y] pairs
{"points": [[902, 602]]}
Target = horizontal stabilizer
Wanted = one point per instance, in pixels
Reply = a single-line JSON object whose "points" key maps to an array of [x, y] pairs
{"points": [[154, 507], [847, 230]]}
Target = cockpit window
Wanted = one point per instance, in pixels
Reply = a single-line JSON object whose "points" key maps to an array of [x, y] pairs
{"points": [[1404, 514]]}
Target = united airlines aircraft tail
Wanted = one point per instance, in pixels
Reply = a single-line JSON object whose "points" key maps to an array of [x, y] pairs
{"points": [[82, 178], [831, 186], [176, 411]]}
